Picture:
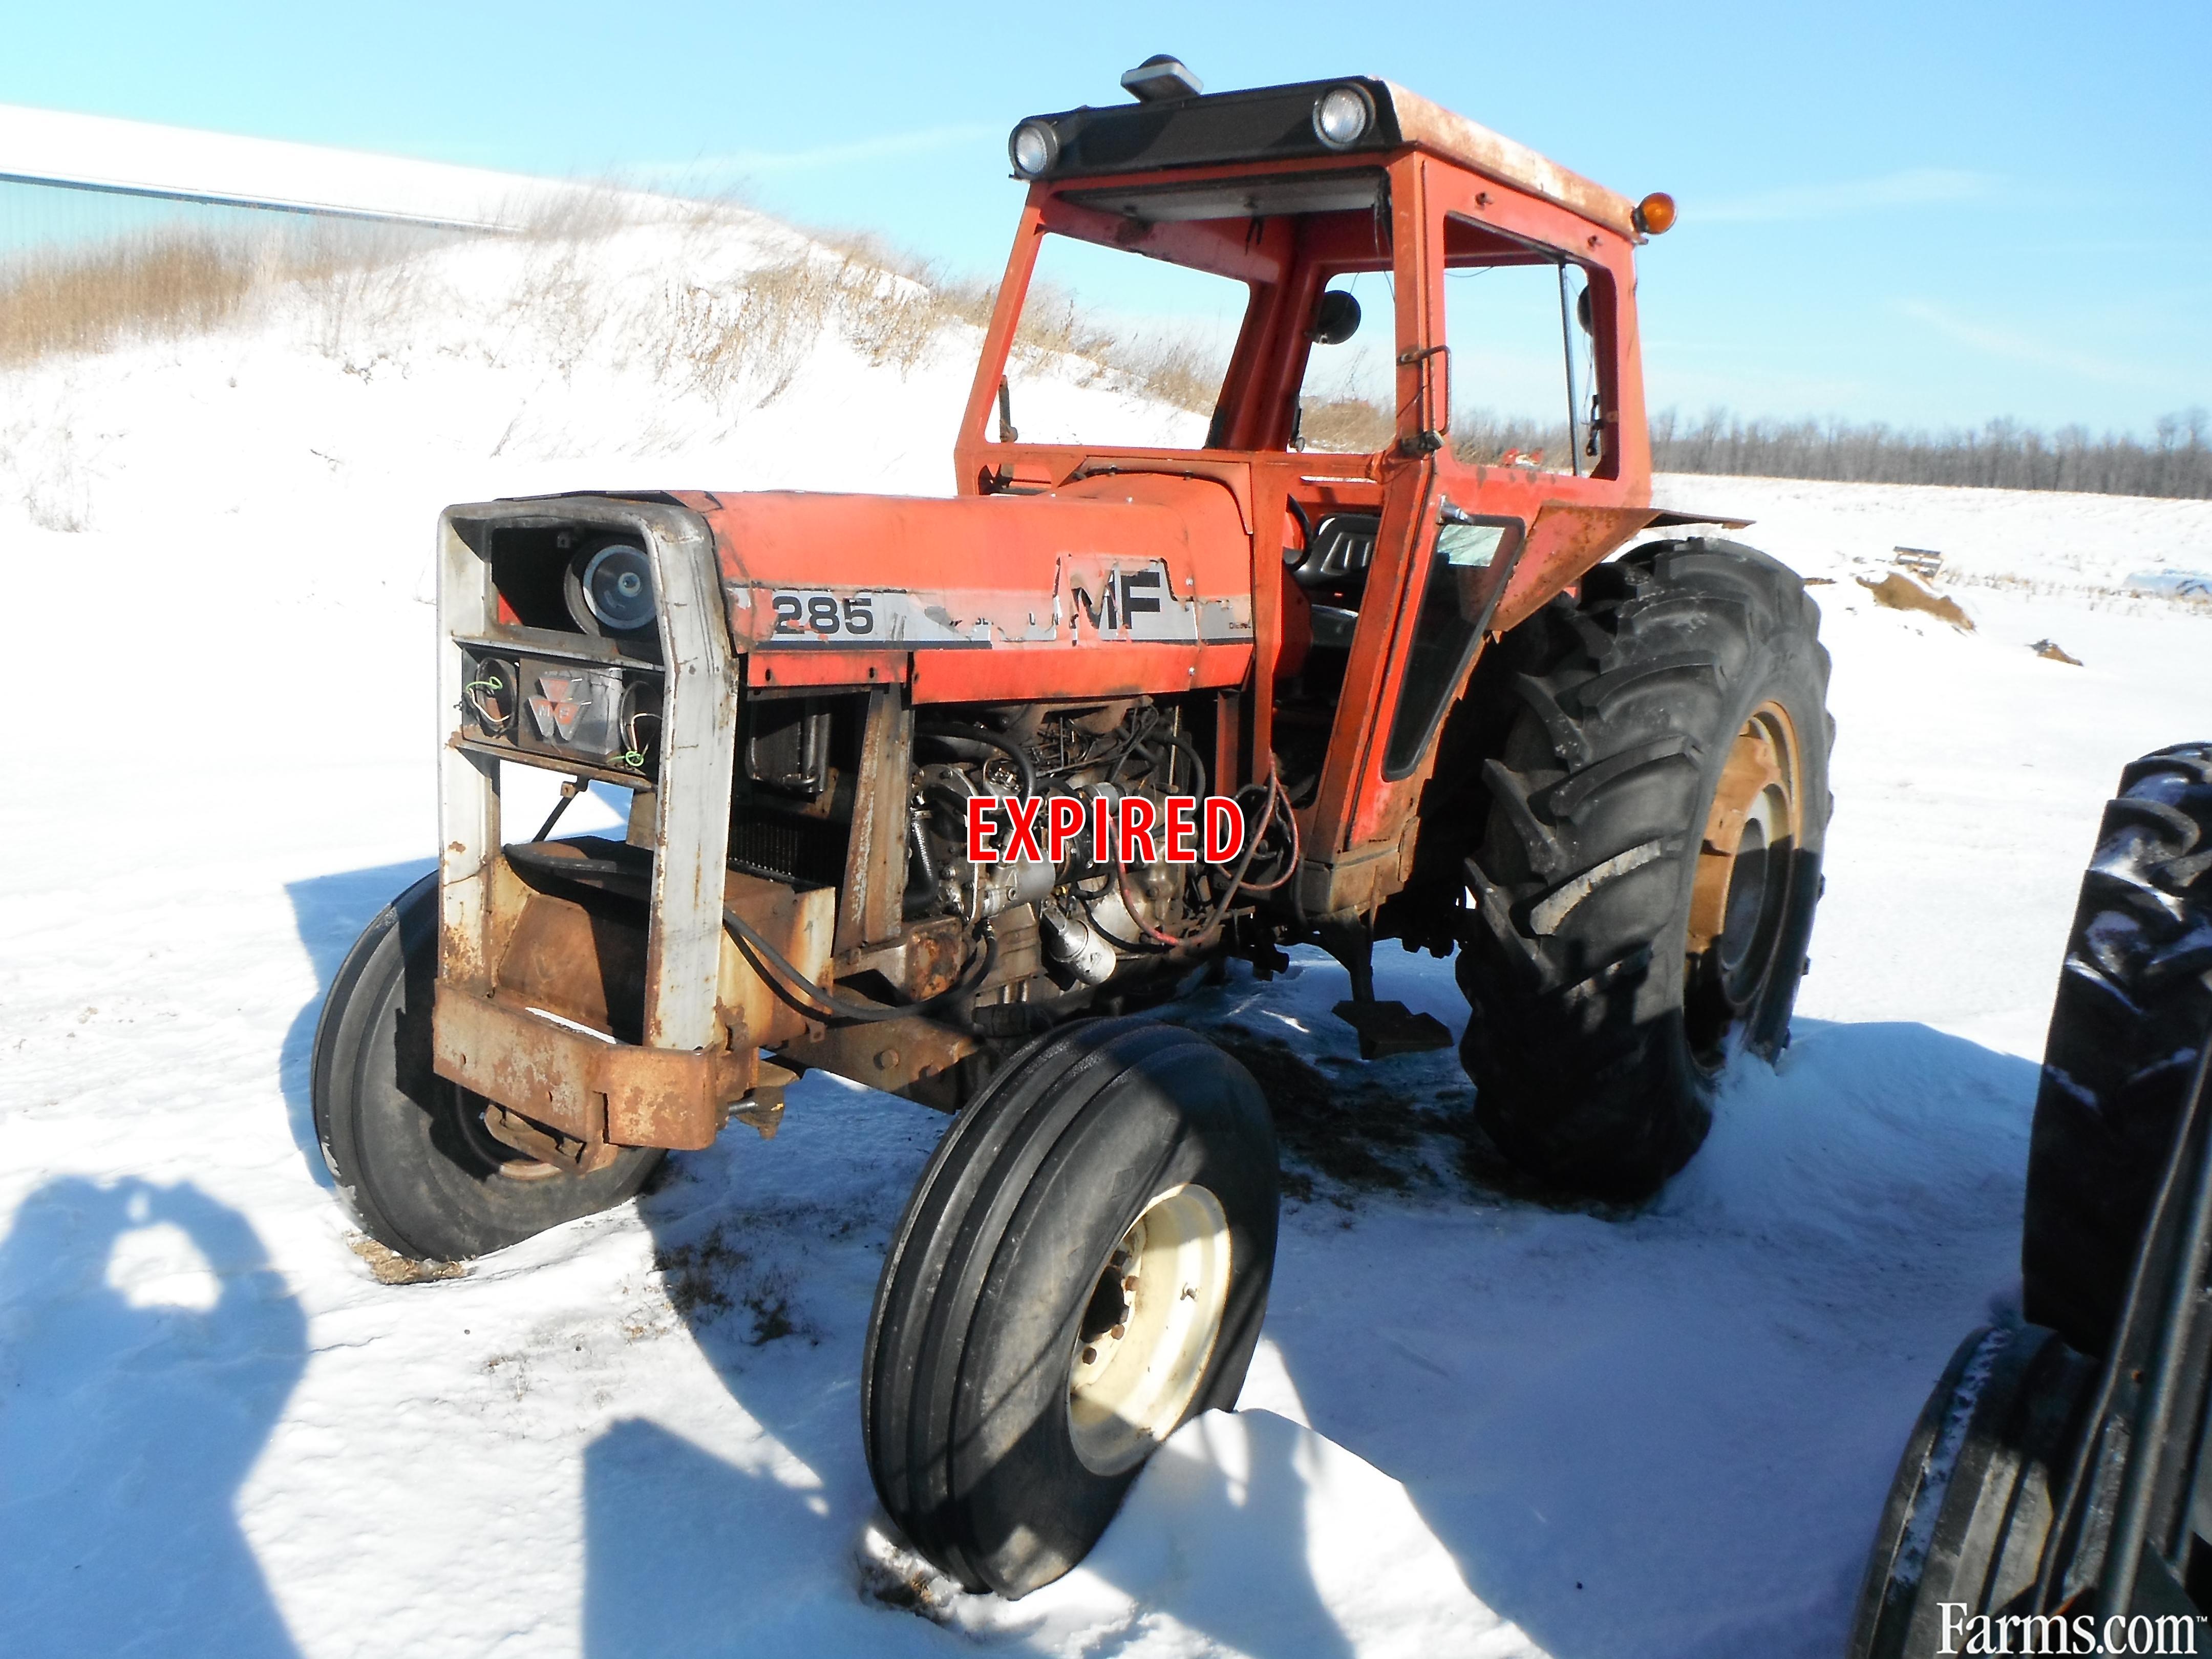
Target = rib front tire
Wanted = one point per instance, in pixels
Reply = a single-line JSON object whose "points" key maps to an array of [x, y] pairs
{"points": [[1083, 1267], [407, 1148]]}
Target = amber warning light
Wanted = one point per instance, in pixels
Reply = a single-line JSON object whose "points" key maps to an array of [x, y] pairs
{"points": [[1655, 214]]}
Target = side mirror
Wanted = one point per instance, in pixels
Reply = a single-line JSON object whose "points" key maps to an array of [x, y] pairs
{"points": [[1336, 320]]}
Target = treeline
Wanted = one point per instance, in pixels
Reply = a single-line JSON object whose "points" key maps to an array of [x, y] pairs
{"points": [[2175, 461]]}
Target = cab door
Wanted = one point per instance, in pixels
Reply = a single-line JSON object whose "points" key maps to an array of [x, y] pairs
{"points": [[1510, 479]]}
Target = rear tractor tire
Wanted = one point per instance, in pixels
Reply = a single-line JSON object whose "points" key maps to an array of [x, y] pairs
{"points": [[2133, 1010], [409, 1149], [1645, 882], [1083, 1267]]}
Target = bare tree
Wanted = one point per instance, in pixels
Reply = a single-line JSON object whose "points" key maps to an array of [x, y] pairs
{"points": [[2002, 454]]}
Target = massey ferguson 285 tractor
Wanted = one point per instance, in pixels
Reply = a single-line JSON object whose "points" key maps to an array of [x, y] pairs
{"points": [[1446, 718]]}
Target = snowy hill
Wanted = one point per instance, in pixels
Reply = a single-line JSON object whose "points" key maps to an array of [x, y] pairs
{"points": [[1478, 1425]]}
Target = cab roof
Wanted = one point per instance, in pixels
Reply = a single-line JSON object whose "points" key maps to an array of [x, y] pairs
{"points": [[1275, 124]]}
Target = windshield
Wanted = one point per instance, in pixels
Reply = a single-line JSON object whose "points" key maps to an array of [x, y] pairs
{"points": [[1138, 297], [1117, 349]]}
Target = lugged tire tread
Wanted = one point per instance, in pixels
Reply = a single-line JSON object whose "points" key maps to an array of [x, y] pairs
{"points": [[2132, 1015], [1615, 692]]}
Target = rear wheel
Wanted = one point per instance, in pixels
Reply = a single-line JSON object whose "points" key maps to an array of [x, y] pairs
{"points": [[1083, 1266], [1646, 879], [2133, 1010], [409, 1149]]}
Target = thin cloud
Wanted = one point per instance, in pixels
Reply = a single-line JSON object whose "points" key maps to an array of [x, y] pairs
{"points": [[2021, 349], [1914, 187], [755, 163]]}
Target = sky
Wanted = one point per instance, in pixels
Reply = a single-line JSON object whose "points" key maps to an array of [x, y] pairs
{"points": [[1928, 215]]}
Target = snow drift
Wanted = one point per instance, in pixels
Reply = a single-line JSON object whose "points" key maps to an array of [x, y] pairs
{"points": [[1480, 1423]]}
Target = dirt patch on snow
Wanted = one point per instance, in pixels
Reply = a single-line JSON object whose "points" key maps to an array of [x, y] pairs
{"points": [[392, 1268], [1899, 592], [711, 1277], [1347, 1128]]}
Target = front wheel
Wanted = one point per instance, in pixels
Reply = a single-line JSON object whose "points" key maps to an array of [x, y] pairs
{"points": [[409, 1149], [1083, 1267]]}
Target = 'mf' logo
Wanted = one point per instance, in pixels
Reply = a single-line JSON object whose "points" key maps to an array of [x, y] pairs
{"points": [[1116, 600]]}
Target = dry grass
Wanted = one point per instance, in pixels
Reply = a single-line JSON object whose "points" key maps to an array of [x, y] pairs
{"points": [[737, 334], [172, 283], [1896, 591], [1349, 426], [2096, 596], [392, 1268], [758, 326], [1166, 366]]}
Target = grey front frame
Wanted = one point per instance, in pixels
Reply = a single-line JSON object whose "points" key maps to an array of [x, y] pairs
{"points": [[698, 736]]}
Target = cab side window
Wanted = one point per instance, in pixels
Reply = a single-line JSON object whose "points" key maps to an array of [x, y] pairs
{"points": [[1346, 402], [1520, 327]]}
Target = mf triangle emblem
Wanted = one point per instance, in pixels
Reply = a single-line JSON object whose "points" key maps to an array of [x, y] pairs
{"points": [[557, 707]]}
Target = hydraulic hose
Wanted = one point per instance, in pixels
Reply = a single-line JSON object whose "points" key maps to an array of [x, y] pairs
{"points": [[964, 740]]}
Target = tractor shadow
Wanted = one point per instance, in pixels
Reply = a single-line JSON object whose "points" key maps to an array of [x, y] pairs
{"points": [[329, 913], [147, 1348], [1670, 1430]]}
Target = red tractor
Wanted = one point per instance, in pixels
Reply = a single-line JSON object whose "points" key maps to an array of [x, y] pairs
{"points": [[1446, 718]]}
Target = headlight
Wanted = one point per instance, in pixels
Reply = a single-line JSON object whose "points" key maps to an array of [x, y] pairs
{"points": [[1342, 115], [611, 590], [1033, 148]]}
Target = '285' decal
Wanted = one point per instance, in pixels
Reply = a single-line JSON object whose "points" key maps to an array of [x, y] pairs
{"points": [[823, 614]]}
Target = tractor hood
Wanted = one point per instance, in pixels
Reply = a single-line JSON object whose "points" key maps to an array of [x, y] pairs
{"points": [[1133, 582]]}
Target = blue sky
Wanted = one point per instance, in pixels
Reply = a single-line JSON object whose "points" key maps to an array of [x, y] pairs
{"points": [[1924, 214]]}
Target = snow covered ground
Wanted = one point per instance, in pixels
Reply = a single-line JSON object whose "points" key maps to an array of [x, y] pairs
{"points": [[1478, 1423]]}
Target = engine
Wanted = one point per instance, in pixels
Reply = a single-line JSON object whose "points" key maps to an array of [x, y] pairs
{"points": [[1097, 914]]}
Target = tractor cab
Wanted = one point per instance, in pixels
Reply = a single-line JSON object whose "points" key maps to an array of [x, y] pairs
{"points": [[1358, 279]]}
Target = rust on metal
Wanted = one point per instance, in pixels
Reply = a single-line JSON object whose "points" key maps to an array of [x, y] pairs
{"points": [[560, 1154], [1567, 540], [584, 1085], [875, 863], [799, 924], [1431, 127], [1760, 775], [890, 1054], [584, 965], [762, 1109]]}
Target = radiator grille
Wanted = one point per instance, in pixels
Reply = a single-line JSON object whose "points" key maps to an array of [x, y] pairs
{"points": [[807, 853]]}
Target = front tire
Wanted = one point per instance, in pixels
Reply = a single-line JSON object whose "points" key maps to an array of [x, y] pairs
{"points": [[409, 1149], [1646, 883], [1083, 1267]]}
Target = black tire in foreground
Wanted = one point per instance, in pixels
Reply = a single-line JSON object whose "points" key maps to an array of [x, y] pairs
{"points": [[409, 1149], [1646, 883], [2132, 1012], [1971, 1506], [1083, 1266]]}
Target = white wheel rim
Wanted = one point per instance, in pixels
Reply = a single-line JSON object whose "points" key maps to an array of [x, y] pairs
{"points": [[1130, 1383]]}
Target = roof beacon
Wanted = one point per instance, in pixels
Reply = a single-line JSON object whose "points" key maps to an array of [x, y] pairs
{"points": [[1161, 76]]}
